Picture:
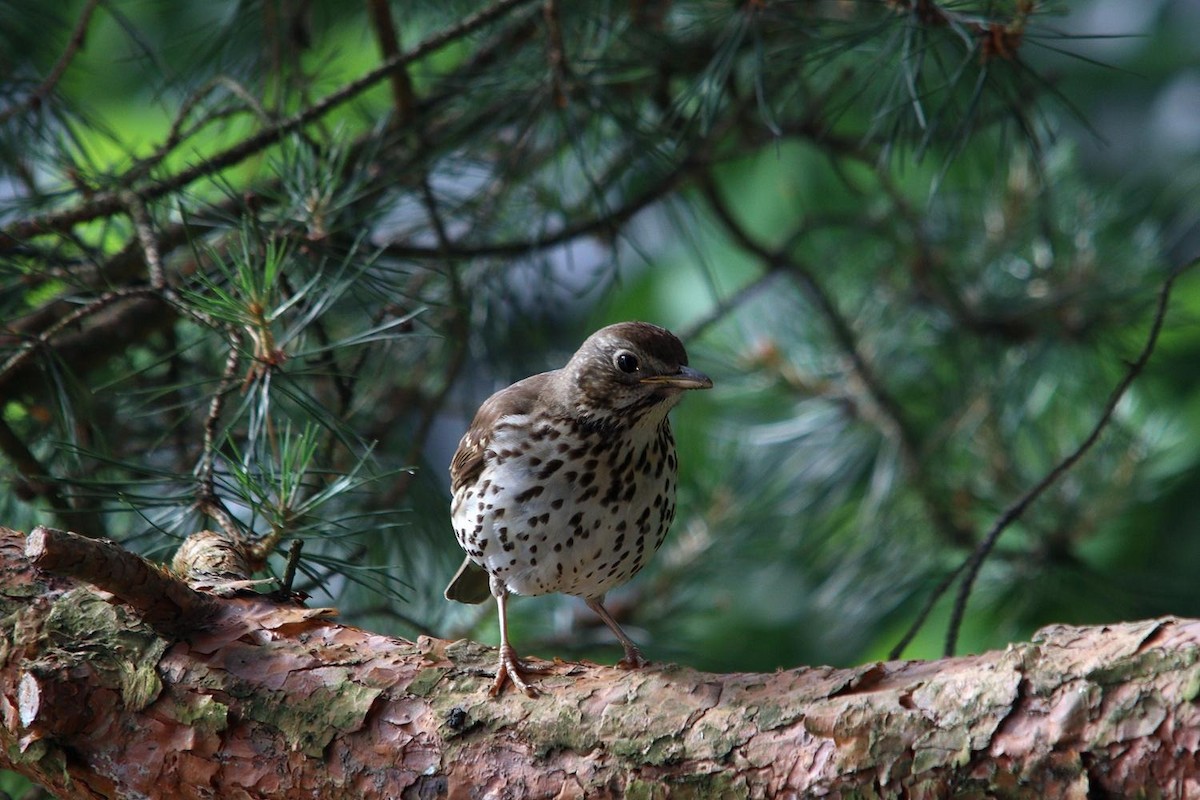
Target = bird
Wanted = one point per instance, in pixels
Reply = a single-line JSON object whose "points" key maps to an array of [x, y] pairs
{"points": [[565, 481]]}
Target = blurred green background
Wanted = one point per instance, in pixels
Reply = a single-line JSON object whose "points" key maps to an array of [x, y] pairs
{"points": [[916, 246]]}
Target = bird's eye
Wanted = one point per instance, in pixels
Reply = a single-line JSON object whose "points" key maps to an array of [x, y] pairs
{"points": [[627, 362]]}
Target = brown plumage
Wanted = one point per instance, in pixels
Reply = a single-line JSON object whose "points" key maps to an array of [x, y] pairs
{"points": [[565, 481]]}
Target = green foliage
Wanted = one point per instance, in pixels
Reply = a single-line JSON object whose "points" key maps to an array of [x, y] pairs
{"points": [[251, 280]]}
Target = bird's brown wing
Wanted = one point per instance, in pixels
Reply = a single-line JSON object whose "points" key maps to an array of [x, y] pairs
{"points": [[471, 583], [470, 457]]}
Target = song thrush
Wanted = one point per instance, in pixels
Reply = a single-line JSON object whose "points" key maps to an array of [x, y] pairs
{"points": [[565, 481]]}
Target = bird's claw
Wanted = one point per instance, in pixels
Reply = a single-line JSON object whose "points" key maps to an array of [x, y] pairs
{"points": [[514, 669], [633, 659]]}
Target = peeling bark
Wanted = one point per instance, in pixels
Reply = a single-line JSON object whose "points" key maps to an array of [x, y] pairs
{"points": [[276, 701]]}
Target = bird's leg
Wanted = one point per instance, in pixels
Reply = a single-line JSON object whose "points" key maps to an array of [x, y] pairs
{"points": [[511, 668], [633, 655]]}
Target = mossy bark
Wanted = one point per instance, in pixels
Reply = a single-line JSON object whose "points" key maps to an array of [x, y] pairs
{"points": [[277, 701]]}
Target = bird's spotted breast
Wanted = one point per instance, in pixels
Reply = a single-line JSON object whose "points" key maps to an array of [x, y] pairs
{"points": [[558, 509]]}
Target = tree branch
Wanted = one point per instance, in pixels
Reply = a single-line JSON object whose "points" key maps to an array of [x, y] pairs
{"points": [[110, 202], [162, 600], [274, 700]]}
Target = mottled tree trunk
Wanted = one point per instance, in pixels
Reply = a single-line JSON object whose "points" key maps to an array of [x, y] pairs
{"points": [[270, 700]]}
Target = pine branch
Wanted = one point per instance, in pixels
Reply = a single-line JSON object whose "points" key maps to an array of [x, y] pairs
{"points": [[1013, 512], [107, 203], [74, 44], [895, 419]]}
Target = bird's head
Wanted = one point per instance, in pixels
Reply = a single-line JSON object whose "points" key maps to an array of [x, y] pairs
{"points": [[628, 369]]}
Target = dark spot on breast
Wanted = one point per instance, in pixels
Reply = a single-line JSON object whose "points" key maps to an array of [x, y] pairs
{"points": [[530, 493]]}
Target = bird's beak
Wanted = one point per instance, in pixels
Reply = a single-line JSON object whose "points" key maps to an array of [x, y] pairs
{"points": [[685, 378]]}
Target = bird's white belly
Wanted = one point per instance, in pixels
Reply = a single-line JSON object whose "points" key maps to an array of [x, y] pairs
{"points": [[546, 516]]}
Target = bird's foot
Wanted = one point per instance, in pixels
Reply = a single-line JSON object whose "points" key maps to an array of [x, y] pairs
{"points": [[514, 669], [633, 659]]}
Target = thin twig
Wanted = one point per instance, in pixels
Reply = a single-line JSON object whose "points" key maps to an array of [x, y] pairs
{"points": [[74, 45], [289, 570], [457, 335], [728, 304], [556, 54], [610, 221], [922, 615], [26, 351], [215, 405], [385, 33], [109, 202], [893, 416], [178, 134], [145, 233], [207, 501], [1014, 511]]}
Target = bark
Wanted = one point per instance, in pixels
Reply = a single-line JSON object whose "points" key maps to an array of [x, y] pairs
{"points": [[271, 699]]}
